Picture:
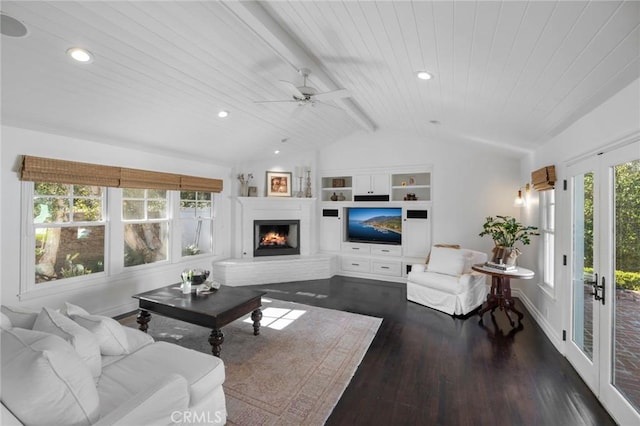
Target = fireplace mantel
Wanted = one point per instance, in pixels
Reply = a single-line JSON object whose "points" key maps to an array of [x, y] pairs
{"points": [[274, 208], [275, 202]]}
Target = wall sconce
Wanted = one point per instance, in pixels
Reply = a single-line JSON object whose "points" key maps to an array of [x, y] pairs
{"points": [[521, 199]]}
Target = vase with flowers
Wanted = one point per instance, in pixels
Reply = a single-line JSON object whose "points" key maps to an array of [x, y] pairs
{"points": [[244, 183], [506, 231]]}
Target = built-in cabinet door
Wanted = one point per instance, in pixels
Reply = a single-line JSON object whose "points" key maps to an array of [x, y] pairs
{"points": [[331, 230], [380, 184], [416, 233], [376, 184]]}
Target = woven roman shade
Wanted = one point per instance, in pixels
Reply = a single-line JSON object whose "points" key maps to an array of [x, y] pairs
{"points": [[544, 179], [192, 183], [38, 169], [144, 179]]}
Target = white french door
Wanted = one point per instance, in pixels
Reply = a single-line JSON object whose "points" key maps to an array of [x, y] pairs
{"points": [[605, 219]]}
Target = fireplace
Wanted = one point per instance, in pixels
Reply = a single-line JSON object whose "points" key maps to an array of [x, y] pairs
{"points": [[276, 237]]}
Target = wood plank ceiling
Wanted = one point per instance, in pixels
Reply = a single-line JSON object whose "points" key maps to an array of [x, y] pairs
{"points": [[507, 73]]}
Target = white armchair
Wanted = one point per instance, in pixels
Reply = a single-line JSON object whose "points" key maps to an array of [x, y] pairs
{"points": [[447, 282]]}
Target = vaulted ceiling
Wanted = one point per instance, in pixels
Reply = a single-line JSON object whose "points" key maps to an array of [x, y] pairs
{"points": [[506, 73]]}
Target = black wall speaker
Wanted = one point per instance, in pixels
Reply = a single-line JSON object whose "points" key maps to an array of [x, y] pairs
{"points": [[330, 212], [371, 198], [417, 214]]}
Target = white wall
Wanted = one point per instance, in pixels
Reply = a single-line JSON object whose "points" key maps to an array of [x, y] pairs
{"points": [[113, 294], [470, 180], [614, 120]]}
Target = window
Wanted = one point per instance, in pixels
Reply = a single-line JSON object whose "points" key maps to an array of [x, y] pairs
{"points": [[84, 223], [146, 226], [547, 231], [196, 222], [69, 230]]}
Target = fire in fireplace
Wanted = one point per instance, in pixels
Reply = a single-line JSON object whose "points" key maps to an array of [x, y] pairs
{"points": [[276, 237]]}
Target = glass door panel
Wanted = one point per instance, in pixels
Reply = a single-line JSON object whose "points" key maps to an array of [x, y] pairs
{"points": [[626, 303], [583, 266]]}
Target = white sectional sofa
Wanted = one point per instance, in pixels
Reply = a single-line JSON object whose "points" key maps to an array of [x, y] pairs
{"points": [[81, 369], [447, 282]]}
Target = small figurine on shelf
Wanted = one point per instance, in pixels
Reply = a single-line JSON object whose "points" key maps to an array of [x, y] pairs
{"points": [[410, 197]]}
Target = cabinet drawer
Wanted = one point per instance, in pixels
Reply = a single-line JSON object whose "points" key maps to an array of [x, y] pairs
{"points": [[355, 264], [356, 248], [387, 268], [386, 251]]}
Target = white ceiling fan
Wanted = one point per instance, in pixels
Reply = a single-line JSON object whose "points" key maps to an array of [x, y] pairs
{"points": [[307, 95]]}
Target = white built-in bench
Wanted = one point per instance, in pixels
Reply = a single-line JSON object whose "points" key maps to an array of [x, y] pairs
{"points": [[265, 270]]}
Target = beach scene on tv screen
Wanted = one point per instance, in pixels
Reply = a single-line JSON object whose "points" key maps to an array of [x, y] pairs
{"points": [[382, 225]]}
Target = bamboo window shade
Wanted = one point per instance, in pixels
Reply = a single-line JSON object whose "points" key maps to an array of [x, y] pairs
{"points": [[38, 169], [544, 179], [143, 179], [192, 183]]}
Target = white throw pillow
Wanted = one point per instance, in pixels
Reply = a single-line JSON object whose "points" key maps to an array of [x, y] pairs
{"points": [[19, 316], [44, 381], [448, 261], [82, 340], [109, 333]]}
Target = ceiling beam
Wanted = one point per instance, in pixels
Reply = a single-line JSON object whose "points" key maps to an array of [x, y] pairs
{"points": [[292, 52]]}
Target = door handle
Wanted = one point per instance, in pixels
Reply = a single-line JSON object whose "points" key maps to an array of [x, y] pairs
{"points": [[598, 290], [595, 286]]}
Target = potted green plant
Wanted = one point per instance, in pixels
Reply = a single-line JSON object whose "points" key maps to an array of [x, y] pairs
{"points": [[506, 231]]}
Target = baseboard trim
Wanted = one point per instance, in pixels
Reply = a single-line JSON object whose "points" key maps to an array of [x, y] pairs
{"points": [[555, 339]]}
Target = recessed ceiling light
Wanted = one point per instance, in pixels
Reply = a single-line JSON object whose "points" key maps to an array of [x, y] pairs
{"points": [[223, 114], [277, 151], [423, 75], [80, 55]]}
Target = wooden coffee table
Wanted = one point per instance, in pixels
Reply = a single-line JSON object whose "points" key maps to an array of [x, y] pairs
{"points": [[213, 310]]}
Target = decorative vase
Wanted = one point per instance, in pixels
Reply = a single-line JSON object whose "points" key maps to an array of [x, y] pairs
{"points": [[340, 196], [244, 189], [334, 197], [186, 287]]}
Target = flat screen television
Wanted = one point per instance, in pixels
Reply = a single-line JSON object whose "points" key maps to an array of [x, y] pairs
{"points": [[376, 225]]}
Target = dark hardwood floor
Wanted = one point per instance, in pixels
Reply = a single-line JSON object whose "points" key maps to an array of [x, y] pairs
{"points": [[425, 367]]}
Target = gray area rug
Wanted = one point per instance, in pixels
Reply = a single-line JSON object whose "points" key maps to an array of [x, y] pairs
{"points": [[294, 372]]}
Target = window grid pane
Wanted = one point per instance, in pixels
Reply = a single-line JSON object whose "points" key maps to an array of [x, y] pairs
{"points": [[145, 243], [63, 247], [547, 215], [196, 213]]}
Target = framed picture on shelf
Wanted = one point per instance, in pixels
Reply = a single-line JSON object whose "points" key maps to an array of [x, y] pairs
{"points": [[279, 184], [338, 183], [253, 191]]}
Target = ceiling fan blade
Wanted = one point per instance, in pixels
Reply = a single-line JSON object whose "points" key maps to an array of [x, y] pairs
{"points": [[292, 89], [277, 101], [324, 104], [334, 94]]}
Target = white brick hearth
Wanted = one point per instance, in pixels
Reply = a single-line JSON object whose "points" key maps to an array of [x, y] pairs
{"points": [[251, 271]]}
